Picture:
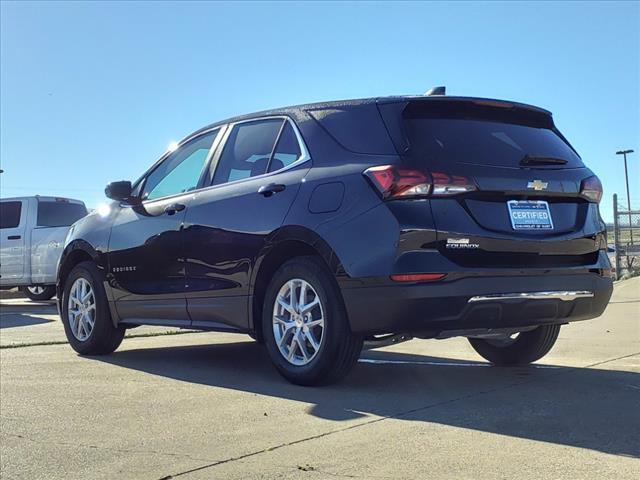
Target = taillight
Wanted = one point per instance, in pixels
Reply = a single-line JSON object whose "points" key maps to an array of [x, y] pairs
{"points": [[591, 189], [444, 184], [394, 182]]}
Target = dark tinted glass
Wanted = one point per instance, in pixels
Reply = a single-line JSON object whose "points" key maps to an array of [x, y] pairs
{"points": [[287, 150], [59, 214], [10, 214], [483, 142], [247, 151]]}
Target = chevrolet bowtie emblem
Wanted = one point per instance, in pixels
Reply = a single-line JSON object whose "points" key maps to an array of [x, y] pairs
{"points": [[537, 185]]}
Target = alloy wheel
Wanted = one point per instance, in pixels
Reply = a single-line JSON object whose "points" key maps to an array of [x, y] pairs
{"points": [[35, 290], [298, 322], [81, 309]]}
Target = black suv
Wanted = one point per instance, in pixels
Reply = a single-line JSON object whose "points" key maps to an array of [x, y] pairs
{"points": [[321, 228]]}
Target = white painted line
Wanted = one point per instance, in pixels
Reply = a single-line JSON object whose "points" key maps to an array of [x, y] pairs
{"points": [[441, 364], [419, 362]]}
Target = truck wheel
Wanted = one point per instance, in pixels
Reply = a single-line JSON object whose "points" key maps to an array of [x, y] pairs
{"points": [[525, 347], [305, 324], [39, 293], [85, 312]]}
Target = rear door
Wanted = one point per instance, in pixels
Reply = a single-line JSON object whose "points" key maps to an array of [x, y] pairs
{"points": [[13, 221], [53, 218], [253, 184]]}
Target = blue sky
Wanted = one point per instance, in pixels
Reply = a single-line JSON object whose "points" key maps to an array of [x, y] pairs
{"points": [[94, 92]]}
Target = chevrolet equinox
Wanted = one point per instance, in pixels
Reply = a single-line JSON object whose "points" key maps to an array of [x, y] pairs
{"points": [[320, 228]]}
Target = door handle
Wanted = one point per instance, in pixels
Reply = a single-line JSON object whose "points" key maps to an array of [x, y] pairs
{"points": [[173, 208], [14, 237], [268, 190]]}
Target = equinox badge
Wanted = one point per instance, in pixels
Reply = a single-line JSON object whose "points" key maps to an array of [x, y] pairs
{"points": [[461, 244]]}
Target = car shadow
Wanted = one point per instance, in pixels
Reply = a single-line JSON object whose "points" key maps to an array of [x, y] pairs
{"points": [[13, 320], [582, 407], [19, 312], [22, 304]]}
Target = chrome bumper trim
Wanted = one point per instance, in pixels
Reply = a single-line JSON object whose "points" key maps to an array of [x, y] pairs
{"points": [[565, 296]]}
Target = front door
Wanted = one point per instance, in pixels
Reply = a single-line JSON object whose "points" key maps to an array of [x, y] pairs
{"points": [[146, 246], [255, 181]]}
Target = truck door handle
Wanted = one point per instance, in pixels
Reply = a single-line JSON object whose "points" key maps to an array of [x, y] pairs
{"points": [[268, 190], [14, 237], [173, 208]]}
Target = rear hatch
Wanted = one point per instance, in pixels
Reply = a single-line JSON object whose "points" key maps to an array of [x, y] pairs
{"points": [[523, 192]]}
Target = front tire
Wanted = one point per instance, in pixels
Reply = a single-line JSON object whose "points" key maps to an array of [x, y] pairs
{"points": [[305, 325], [39, 293], [85, 312], [527, 347]]}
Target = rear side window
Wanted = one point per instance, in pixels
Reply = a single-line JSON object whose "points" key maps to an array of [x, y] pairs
{"points": [[357, 128], [483, 142], [287, 150], [10, 214], [247, 151], [59, 214]]}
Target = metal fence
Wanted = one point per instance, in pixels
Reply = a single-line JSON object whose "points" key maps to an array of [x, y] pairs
{"points": [[626, 237]]}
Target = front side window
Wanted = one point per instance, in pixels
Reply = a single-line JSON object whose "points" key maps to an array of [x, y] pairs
{"points": [[248, 150], [181, 170], [10, 214], [59, 213]]}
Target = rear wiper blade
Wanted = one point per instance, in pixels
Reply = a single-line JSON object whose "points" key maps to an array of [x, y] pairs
{"points": [[541, 160]]}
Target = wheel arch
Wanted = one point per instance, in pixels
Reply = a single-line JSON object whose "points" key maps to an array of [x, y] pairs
{"points": [[283, 245], [76, 252]]}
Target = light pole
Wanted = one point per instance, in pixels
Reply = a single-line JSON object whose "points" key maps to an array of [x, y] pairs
{"points": [[626, 178]]}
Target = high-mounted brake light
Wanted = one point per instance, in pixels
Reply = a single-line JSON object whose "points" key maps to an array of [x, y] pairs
{"points": [[393, 182], [591, 189]]}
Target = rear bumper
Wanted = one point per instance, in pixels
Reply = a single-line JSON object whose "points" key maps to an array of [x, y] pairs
{"points": [[432, 308]]}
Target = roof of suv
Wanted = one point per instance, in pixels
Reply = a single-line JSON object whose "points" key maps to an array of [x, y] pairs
{"points": [[373, 100]]}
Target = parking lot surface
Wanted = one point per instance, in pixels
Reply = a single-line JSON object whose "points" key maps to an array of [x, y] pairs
{"points": [[210, 405]]}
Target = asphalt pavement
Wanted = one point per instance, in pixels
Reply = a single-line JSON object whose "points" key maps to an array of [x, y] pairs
{"points": [[210, 405]]}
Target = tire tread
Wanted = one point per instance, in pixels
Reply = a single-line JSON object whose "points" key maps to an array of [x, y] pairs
{"points": [[348, 346], [529, 347], [105, 338]]}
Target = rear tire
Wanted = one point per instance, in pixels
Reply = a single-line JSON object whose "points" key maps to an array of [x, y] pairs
{"points": [[88, 324], [322, 349], [526, 348], [39, 293]]}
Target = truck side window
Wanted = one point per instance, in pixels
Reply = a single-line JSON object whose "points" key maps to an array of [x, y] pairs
{"points": [[10, 214], [59, 214]]}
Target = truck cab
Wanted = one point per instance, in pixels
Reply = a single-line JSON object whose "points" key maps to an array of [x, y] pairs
{"points": [[32, 234]]}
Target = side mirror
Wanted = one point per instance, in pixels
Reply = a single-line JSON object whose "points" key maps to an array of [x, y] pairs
{"points": [[120, 191]]}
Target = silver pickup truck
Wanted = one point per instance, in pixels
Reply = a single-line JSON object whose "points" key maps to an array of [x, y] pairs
{"points": [[32, 234]]}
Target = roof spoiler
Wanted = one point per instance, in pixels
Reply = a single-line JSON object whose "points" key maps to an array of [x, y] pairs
{"points": [[439, 91]]}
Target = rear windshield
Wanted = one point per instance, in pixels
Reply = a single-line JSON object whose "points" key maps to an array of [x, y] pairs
{"points": [[59, 214], [482, 142]]}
